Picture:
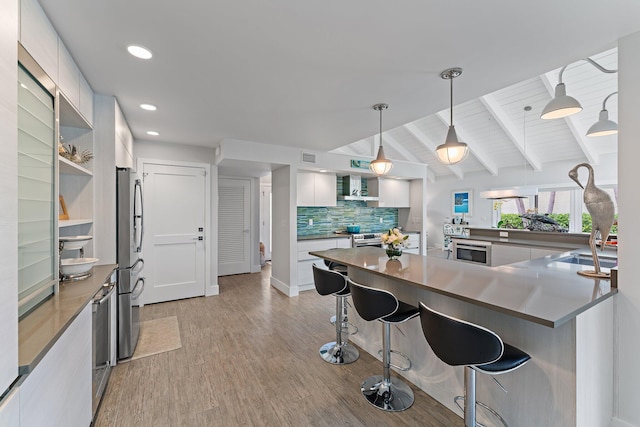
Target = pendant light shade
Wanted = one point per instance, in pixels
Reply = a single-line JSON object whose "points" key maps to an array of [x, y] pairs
{"points": [[604, 126], [561, 105], [452, 151], [381, 165]]}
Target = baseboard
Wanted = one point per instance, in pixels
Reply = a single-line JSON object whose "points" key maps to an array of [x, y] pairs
{"points": [[256, 268], [290, 291], [212, 290]]}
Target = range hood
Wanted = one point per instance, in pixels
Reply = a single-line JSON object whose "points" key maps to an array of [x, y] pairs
{"points": [[510, 193], [352, 189]]}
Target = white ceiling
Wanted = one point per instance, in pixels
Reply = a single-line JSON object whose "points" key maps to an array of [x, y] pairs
{"points": [[306, 74]]}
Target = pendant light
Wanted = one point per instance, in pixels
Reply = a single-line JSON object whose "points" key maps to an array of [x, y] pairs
{"points": [[381, 165], [604, 126], [452, 151], [563, 105]]}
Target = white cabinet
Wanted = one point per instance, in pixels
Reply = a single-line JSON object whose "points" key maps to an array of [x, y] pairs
{"points": [[306, 261], [58, 391], [10, 409], [38, 37], [68, 75], [391, 193], [86, 100], [413, 244], [508, 254], [316, 189]]}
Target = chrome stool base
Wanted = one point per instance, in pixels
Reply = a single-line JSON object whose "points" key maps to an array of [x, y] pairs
{"points": [[392, 396], [352, 330], [339, 354], [491, 411]]}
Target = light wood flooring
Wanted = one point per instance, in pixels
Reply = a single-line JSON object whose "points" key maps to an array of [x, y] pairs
{"points": [[249, 357]]}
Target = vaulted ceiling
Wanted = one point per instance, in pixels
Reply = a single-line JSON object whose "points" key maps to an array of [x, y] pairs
{"points": [[501, 134], [306, 74]]}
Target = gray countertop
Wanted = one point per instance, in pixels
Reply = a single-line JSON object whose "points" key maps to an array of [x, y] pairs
{"points": [[324, 236], [541, 291], [40, 329]]}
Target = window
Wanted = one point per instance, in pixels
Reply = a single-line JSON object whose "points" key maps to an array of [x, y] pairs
{"points": [[36, 233]]}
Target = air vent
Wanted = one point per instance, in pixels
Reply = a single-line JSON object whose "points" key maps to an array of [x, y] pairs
{"points": [[308, 158]]}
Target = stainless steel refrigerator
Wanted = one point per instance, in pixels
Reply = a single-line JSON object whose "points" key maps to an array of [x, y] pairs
{"points": [[130, 231]]}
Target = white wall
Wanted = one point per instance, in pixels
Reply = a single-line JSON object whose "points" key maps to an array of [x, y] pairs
{"points": [[553, 174], [8, 194], [284, 263], [627, 320]]}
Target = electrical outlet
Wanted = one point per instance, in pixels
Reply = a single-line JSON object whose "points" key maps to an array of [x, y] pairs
{"points": [[380, 220], [504, 234], [310, 222]]}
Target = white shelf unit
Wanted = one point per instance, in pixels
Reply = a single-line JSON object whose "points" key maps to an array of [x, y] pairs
{"points": [[73, 222], [75, 182], [67, 167]]}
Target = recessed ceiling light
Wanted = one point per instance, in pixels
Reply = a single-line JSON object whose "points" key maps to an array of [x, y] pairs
{"points": [[323, 171], [148, 107], [139, 51], [153, 133]]}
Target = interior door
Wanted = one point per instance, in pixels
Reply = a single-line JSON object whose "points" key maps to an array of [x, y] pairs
{"points": [[234, 247], [265, 219], [174, 245]]}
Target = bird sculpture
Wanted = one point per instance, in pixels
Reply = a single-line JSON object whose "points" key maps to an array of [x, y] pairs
{"points": [[602, 211]]}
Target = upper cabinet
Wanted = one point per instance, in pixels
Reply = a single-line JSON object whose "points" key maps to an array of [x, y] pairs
{"points": [[317, 189], [40, 39], [391, 193]]}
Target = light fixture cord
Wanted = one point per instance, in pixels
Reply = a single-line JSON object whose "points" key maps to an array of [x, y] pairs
{"points": [[451, 103], [604, 103], [592, 62], [380, 126]]}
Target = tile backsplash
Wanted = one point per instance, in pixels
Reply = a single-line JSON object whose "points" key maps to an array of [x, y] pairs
{"points": [[332, 218]]}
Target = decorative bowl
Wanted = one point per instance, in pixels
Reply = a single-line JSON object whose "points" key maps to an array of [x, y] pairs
{"points": [[73, 266], [74, 242]]}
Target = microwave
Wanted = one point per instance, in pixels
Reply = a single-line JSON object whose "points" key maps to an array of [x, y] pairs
{"points": [[473, 251]]}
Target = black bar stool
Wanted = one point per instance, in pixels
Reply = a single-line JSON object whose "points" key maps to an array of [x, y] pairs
{"points": [[457, 342], [342, 269], [329, 282], [382, 391]]}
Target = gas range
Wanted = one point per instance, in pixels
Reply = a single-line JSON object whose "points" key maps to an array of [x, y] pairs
{"points": [[366, 239]]}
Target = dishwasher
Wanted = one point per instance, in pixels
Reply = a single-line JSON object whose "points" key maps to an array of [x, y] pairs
{"points": [[101, 339]]}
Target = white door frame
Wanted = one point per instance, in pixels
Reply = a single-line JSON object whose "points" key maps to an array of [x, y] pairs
{"points": [[265, 218], [210, 288]]}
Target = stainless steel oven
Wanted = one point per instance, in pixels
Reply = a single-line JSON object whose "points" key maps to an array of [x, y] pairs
{"points": [[366, 239], [474, 251]]}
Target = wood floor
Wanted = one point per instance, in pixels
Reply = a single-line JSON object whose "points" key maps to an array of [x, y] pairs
{"points": [[249, 357]]}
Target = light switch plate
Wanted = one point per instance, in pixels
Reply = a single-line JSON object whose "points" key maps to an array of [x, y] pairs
{"points": [[310, 222]]}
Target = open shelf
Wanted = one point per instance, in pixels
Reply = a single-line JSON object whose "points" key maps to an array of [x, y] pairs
{"points": [[67, 167], [71, 222]]}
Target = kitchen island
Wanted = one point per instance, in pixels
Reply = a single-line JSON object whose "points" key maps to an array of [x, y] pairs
{"points": [[563, 320]]}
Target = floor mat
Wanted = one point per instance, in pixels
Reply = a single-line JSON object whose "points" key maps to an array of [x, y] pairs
{"points": [[157, 336]]}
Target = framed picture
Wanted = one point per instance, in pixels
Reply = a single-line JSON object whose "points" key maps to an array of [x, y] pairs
{"points": [[62, 209], [461, 202]]}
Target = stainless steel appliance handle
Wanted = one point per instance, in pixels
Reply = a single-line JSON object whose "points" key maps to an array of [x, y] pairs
{"points": [[135, 294], [138, 188], [102, 300], [135, 265]]}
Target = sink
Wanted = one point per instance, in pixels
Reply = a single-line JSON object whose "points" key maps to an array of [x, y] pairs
{"points": [[605, 262]]}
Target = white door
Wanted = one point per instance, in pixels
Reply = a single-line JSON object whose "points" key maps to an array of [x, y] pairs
{"points": [[174, 245], [265, 219], [234, 247]]}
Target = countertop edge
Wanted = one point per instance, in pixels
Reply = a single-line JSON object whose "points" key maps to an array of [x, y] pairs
{"points": [[548, 322], [90, 286]]}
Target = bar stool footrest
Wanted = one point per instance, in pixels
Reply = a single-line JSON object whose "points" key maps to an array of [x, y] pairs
{"points": [[491, 411], [404, 356]]}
